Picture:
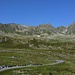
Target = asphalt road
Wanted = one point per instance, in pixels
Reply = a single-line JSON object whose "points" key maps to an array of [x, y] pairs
{"points": [[55, 63]]}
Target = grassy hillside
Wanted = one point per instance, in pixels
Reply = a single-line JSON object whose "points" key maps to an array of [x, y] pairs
{"points": [[31, 50]]}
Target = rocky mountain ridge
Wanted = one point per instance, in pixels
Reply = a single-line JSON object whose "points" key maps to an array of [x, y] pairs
{"points": [[45, 29]]}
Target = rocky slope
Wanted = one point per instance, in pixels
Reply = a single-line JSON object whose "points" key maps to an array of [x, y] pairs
{"points": [[27, 30], [42, 29], [71, 29], [62, 29]]}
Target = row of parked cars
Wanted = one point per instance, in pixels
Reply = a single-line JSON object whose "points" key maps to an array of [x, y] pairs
{"points": [[5, 66]]}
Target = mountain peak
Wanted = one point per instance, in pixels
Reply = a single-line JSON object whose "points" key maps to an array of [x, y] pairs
{"points": [[36, 30]]}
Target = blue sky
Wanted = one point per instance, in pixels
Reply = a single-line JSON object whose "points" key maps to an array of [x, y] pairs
{"points": [[35, 12]]}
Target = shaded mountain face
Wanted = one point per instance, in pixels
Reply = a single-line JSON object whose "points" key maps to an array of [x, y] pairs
{"points": [[62, 30], [71, 29], [28, 30]]}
